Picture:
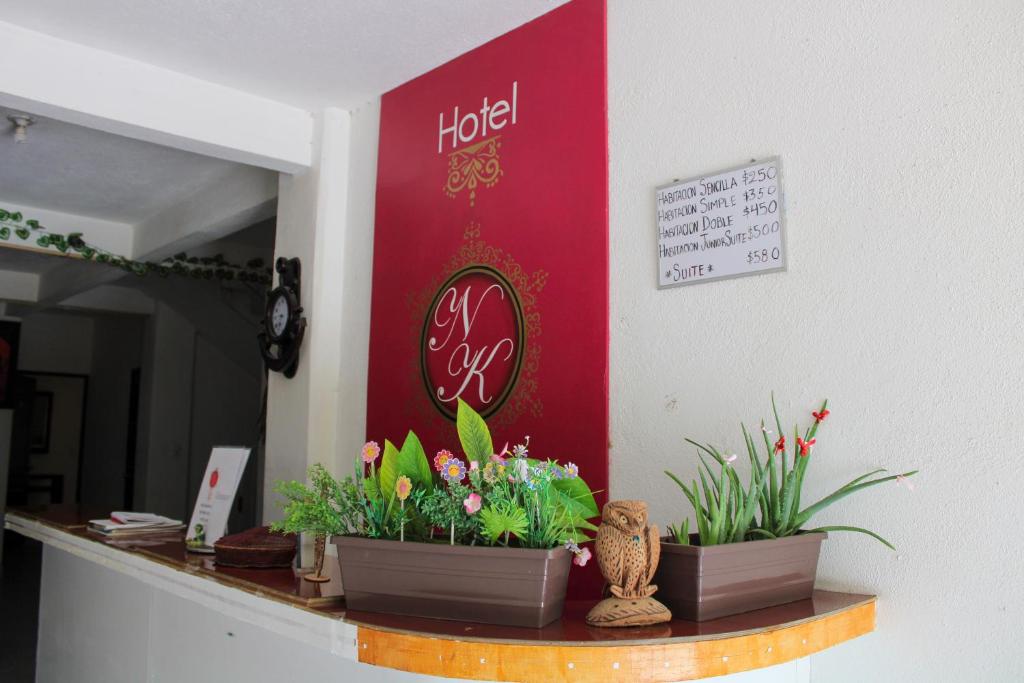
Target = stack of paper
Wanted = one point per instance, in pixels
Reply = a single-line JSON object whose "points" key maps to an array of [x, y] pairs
{"points": [[132, 523]]}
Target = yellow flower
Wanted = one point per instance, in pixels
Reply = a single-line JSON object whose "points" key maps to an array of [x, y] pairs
{"points": [[403, 487]]}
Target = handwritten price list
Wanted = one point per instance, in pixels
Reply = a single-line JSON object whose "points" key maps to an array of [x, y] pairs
{"points": [[723, 225]]}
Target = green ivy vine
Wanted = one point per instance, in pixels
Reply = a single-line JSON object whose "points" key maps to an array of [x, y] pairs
{"points": [[14, 228]]}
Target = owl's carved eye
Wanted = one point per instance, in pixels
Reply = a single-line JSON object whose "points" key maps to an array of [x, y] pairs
{"points": [[623, 520]]}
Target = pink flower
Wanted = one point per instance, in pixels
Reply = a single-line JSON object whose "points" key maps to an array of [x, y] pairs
{"points": [[497, 459], [472, 504], [473, 465], [403, 487], [730, 459], [370, 451], [441, 459], [582, 557], [904, 481]]}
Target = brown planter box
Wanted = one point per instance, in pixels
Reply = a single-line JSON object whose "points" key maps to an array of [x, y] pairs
{"points": [[706, 583], [506, 586]]}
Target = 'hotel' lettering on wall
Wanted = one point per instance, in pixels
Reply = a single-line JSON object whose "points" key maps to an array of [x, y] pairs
{"points": [[492, 117]]}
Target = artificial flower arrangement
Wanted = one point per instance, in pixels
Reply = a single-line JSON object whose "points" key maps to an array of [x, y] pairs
{"points": [[491, 498], [488, 537], [778, 559]]}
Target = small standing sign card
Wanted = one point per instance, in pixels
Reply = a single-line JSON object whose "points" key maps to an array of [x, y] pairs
{"points": [[216, 496], [721, 225]]}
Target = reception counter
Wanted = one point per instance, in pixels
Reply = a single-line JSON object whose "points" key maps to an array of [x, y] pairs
{"points": [[144, 609]]}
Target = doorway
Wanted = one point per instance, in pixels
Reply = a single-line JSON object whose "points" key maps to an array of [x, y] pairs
{"points": [[56, 425]]}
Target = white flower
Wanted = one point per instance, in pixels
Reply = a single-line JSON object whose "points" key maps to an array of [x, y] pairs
{"points": [[521, 470]]}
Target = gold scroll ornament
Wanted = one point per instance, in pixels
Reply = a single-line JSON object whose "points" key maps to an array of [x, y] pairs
{"points": [[470, 166]]}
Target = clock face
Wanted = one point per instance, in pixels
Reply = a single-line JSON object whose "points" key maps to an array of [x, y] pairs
{"points": [[279, 315]]}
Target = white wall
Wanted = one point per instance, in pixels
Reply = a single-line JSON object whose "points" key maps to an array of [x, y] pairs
{"points": [[900, 131], [200, 387], [165, 399], [118, 349], [56, 342]]}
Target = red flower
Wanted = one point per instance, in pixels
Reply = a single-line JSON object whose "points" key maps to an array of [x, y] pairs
{"points": [[805, 446], [820, 417], [780, 445]]}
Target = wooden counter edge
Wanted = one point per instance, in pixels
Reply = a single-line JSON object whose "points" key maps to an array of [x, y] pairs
{"points": [[675, 660]]}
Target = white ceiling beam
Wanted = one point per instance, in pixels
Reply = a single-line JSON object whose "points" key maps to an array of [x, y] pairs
{"points": [[112, 236], [112, 299], [239, 199], [79, 84], [18, 287]]}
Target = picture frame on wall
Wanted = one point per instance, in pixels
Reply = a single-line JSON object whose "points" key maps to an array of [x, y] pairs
{"points": [[10, 332], [42, 417]]}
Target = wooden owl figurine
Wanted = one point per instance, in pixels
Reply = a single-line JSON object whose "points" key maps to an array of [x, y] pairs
{"points": [[627, 553]]}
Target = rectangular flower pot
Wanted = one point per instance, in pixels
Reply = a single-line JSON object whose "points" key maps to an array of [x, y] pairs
{"points": [[483, 584], [698, 583]]}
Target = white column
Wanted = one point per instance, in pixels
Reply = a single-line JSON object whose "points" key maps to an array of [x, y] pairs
{"points": [[313, 224]]}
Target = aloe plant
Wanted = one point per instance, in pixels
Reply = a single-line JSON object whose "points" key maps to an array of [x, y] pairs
{"points": [[726, 510]]}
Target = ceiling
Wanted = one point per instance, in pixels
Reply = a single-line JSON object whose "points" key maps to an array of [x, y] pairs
{"points": [[22, 260], [311, 54], [67, 168]]}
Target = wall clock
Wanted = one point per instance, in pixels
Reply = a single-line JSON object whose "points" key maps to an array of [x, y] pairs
{"points": [[283, 326]]}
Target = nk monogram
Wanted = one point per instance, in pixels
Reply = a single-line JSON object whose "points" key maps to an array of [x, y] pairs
{"points": [[473, 341]]}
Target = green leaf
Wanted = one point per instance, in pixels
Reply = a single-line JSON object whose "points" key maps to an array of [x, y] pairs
{"points": [[692, 497], [805, 515], [703, 524], [853, 528], [761, 532], [862, 478], [5, 233], [412, 462], [371, 489], [389, 469], [473, 434], [580, 492], [498, 520], [23, 233], [788, 492]]}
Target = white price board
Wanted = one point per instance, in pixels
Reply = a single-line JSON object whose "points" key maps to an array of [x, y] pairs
{"points": [[721, 225]]}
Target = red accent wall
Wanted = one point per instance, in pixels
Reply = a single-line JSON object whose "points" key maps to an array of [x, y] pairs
{"points": [[526, 198]]}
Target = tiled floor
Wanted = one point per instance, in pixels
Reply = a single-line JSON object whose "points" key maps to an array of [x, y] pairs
{"points": [[19, 608]]}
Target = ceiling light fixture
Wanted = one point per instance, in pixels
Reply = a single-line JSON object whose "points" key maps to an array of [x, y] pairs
{"points": [[21, 123]]}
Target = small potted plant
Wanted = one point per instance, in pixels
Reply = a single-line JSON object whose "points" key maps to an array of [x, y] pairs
{"points": [[487, 537], [752, 547], [311, 510]]}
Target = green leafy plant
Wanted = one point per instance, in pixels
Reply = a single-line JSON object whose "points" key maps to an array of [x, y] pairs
{"points": [[14, 228], [769, 506], [505, 498], [310, 509]]}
